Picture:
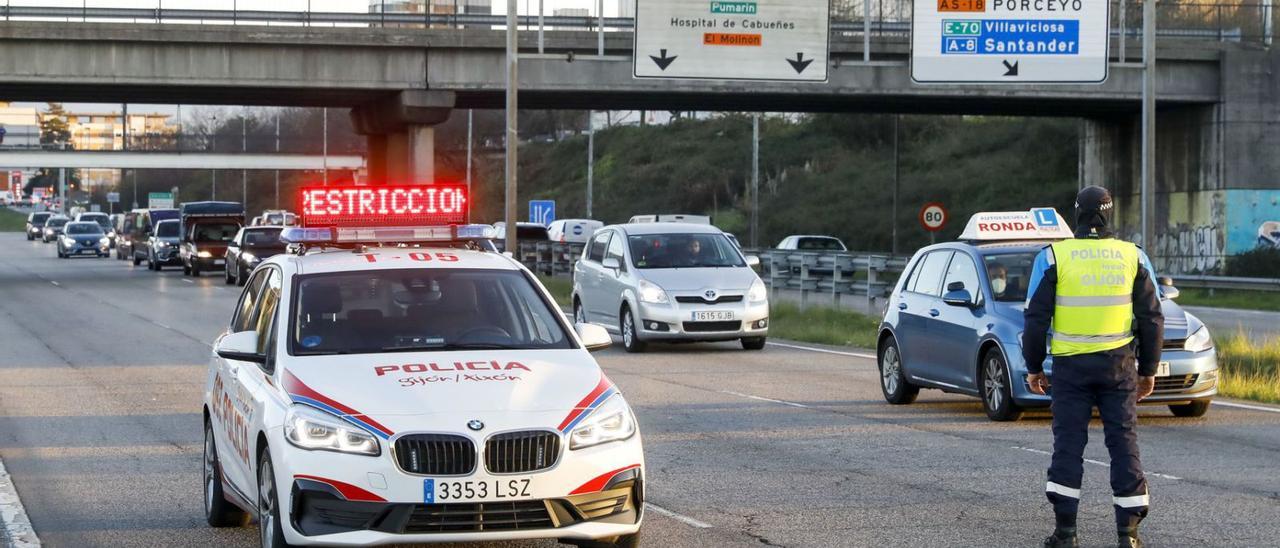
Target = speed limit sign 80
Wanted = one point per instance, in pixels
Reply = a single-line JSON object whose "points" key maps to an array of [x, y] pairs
{"points": [[933, 216]]}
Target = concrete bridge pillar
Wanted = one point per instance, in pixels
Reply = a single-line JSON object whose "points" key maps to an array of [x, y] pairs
{"points": [[401, 135]]}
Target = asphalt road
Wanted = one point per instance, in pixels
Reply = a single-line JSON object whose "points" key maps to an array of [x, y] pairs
{"points": [[101, 367]]}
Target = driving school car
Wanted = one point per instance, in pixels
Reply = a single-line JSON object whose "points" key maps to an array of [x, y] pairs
{"points": [[401, 384], [955, 319]]}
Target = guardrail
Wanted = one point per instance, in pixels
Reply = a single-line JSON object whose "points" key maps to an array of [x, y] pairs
{"points": [[867, 275], [1224, 282], [548, 258]]}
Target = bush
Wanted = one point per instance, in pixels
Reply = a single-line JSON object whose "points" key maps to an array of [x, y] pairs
{"points": [[1262, 262]]}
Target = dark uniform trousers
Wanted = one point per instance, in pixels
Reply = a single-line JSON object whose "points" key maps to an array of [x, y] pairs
{"points": [[1105, 380]]}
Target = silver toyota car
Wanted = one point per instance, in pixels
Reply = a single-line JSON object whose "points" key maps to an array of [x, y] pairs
{"points": [[671, 282]]}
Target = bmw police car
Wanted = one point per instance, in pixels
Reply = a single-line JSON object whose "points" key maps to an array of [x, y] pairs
{"points": [[384, 383], [954, 323]]}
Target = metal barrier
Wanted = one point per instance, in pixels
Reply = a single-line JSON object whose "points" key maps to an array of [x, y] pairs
{"points": [[870, 276], [1224, 282], [549, 258]]}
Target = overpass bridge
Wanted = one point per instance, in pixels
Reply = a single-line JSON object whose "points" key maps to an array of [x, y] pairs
{"points": [[1218, 100]]}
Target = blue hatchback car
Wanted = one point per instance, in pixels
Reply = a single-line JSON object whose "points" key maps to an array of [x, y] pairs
{"points": [[948, 327]]}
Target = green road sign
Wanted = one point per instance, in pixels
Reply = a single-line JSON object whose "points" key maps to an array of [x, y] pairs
{"points": [[734, 8]]}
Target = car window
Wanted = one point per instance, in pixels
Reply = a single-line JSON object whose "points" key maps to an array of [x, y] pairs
{"points": [[418, 310], [84, 228], [268, 301], [243, 319], [616, 251], [820, 244], [961, 270], [595, 253], [267, 237], [1015, 270], [928, 276], [679, 250], [167, 229], [213, 232]]}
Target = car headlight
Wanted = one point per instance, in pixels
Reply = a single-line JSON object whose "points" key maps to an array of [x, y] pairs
{"points": [[612, 421], [111, 234], [104, 241], [1199, 341], [162, 245], [757, 293], [204, 254], [651, 293], [309, 428], [68, 241], [249, 257]]}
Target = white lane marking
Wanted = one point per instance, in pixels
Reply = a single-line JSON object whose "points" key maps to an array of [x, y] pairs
{"points": [[188, 281], [15, 526], [163, 326], [1095, 462], [1247, 406], [823, 350], [54, 282], [761, 398], [678, 517]]}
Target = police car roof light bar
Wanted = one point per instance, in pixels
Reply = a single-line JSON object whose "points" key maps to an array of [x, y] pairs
{"points": [[386, 234]]}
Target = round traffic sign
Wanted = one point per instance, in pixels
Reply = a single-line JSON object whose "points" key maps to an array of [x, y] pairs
{"points": [[933, 216]]}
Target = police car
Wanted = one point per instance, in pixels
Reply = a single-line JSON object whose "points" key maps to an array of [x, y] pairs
{"points": [[954, 323], [384, 383]]}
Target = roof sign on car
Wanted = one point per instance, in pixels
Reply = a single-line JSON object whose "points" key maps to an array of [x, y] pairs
{"points": [[383, 206], [1041, 223]]}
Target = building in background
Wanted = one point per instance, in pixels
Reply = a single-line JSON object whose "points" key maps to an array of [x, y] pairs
{"points": [[627, 8], [21, 126], [434, 7], [106, 131]]}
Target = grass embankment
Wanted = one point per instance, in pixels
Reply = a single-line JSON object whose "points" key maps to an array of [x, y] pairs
{"points": [[12, 221], [1249, 370], [1231, 298], [822, 325], [560, 288]]}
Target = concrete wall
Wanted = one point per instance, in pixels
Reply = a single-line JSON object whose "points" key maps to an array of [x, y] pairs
{"points": [[1217, 173]]}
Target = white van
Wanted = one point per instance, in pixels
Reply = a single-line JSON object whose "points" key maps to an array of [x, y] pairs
{"points": [[576, 231]]}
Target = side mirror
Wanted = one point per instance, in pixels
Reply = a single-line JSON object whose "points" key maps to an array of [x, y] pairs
{"points": [[593, 336], [242, 346], [753, 261], [1167, 289], [959, 297], [611, 263]]}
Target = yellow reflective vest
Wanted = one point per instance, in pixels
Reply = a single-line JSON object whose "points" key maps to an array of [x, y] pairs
{"points": [[1094, 307]]}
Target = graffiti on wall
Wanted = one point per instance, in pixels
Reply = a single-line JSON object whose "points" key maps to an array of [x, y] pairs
{"points": [[1269, 234], [1198, 246]]}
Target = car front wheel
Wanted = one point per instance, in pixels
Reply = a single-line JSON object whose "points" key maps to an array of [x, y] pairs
{"points": [[893, 380], [226, 276], [579, 314], [270, 528], [1194, 409], [218, 511], [997, 398], [630, 338]]}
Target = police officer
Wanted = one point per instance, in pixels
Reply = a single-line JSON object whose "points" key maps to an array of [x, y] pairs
{"points": [[1094, 292]]}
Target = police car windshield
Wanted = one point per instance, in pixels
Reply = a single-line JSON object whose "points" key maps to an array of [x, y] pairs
{"points": [[1008, 275], [683, 251], [422, 310]]}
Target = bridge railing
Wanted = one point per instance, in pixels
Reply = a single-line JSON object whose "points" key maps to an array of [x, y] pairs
{"points": [[1252, 20]]}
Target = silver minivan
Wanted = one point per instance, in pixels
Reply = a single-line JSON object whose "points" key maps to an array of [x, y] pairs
{"points": [[673, 282]]}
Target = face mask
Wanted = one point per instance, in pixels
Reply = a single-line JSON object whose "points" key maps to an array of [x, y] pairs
{"points": [[998, 285]]}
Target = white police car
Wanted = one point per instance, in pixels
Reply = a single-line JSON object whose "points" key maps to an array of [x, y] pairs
{"points": [[954, 323], [371, 392]]}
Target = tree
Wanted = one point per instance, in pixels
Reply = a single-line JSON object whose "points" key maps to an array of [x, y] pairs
{"points": [[55, 134]]}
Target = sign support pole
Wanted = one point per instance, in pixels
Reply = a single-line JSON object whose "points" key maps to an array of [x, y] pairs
{"points": [[866, 31], [894, 224], [512, 141], [591, 163], [62, 188], [755, 179], [470, 124], [1148, 119]]}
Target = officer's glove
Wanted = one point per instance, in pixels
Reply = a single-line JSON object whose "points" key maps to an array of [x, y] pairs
{"points": [[1146, 385]]}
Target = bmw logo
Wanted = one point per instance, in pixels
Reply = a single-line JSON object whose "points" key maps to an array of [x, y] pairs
{"points": [[710, 294], [476, 425]]}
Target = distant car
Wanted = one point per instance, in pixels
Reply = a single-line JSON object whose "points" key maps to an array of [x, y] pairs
{"points": [[163, 245], [79, 237], [525, 232], [251, 246], [142, 228], [207, 228], [573, 230], [35, 224], [103, 221], [812, 243], [53, 227], [670, 282], [671, 218]]}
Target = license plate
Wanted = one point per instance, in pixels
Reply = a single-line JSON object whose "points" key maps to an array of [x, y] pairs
{"points": [[217, 262], [713, 316], [438, 491], [1162, 370]]}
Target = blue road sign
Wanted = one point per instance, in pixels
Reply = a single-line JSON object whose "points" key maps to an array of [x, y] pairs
{"points": [[542, 212]]}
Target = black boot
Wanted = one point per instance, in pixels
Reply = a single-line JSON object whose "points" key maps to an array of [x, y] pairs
{"points": [[1128, 538], [1062, 537]]}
